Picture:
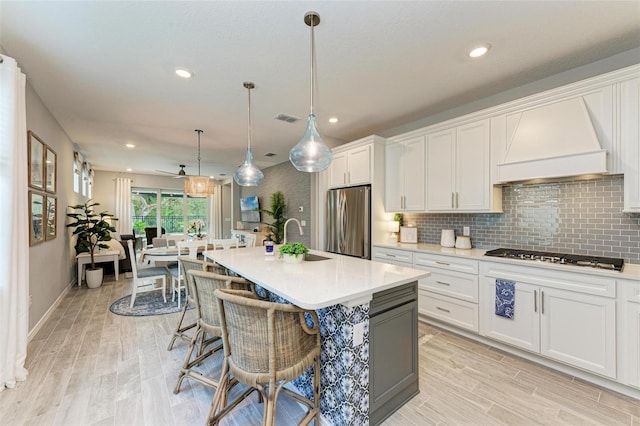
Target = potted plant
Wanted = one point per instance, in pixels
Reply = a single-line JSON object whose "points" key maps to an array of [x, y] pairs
{"points": [[293, 252], [277, 212], [92, 230]]}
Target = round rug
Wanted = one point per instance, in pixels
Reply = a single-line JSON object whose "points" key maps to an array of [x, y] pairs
{"points": [[150, 303]]}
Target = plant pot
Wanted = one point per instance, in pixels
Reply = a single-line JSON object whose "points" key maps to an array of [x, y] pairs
{"points": [[94, 277], [292, 258]]}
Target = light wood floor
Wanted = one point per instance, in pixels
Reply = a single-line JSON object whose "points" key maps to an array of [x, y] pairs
{"points": [[90, 367]]}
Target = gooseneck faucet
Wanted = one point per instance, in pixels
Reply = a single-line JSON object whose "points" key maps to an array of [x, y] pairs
{"points": [[285, 227]]}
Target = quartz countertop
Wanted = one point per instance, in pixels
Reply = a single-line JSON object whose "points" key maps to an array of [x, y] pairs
{"points": [[316, 284], [630, 271]]}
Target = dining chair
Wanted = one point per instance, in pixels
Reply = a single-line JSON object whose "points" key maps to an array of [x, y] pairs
{"points": [[208, 323], [145, 279], [177, 274], [159, 242], [224, 243], [188, 263], [266, 345], [249, 240]]}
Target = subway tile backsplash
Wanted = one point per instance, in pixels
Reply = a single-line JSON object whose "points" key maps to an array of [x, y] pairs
{"points": [[580, 217]]}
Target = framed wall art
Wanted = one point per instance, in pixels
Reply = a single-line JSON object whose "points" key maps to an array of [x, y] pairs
{"points": [[36, 161], [36, 218], [52, 216], [50, 161]]}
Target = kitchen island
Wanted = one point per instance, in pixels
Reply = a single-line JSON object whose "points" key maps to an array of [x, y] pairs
{"points": [[368, 326]]}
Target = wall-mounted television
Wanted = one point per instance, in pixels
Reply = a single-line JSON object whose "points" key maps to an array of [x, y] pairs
{"points": [[249, 209]]}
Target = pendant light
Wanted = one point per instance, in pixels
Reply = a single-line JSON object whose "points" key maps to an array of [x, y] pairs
{"points": [[198, 186], [248, 174], [311, 154]]}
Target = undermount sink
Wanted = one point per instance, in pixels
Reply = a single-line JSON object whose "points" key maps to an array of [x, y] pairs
{"points": [[314, 258]]}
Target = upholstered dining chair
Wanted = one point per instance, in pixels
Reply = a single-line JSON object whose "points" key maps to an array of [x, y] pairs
{"points": [[188, 263], [265, 345], [208, 324], [224, 243], [145, 279]]}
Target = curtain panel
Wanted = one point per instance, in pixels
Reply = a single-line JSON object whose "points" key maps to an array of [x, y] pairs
{"points": [[123, 206], [14, 215]]}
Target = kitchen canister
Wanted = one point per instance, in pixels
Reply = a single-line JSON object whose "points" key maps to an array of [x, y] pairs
{"points": [[448, 238], [463, 242]]}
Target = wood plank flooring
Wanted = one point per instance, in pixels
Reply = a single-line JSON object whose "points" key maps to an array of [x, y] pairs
{"points": [[90, 367]]}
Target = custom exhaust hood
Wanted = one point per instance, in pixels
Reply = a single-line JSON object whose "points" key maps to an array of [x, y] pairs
{"points": [[552, 141]]}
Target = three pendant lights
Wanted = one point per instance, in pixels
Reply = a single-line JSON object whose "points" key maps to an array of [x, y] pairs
{"points": [[308, 155]]}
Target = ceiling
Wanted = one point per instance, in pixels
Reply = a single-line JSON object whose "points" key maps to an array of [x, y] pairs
{"points": [[105, 69]]}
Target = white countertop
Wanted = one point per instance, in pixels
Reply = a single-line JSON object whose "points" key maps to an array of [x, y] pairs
{"points": [[631, 271], [318, 284]]}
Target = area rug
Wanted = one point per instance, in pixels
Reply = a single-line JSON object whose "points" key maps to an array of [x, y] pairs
{"points": [[147, 304]]}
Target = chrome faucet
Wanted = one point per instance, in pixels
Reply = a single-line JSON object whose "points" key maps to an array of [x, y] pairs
{"points": [[285, 227]]}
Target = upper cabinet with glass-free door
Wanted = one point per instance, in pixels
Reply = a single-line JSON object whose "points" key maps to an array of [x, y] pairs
{"points": [[458, 170], [404, 175]]}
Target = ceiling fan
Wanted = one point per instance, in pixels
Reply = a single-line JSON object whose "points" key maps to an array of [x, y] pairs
{"points": [[179, 175]]}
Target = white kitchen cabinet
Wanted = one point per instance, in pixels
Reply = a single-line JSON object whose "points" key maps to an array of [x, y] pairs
{"points": [[630, 333], [392, 256], [405, 175], [351, 167], [630, 138], [574, 327], [450, 293], [458, 170]]}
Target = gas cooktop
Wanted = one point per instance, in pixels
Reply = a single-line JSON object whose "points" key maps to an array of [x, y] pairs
{"points": [[559, 258]]}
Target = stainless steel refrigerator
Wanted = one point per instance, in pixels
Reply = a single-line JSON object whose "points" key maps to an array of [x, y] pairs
{"points": [[348, 227]]}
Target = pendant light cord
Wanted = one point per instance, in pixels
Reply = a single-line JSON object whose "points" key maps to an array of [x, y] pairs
{"points": [[312, 63], [199, 132], [249, 126]]}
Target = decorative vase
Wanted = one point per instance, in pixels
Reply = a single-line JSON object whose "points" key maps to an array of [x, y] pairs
{"points": [[94, 277], [292, 258]]}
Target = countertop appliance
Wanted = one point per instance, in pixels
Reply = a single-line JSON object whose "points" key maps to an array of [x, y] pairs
{"points": [[610, 263], [348, 227]]}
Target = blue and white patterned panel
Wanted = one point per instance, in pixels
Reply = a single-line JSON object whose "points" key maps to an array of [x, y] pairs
{"points": [[505, 298], [344, 375]]}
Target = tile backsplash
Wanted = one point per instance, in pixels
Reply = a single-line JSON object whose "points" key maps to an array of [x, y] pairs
{"points": [[581, 217]]}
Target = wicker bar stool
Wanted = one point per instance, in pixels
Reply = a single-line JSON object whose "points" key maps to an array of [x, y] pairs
{"points": [[187, 264], [208, 325], [266, 345]]}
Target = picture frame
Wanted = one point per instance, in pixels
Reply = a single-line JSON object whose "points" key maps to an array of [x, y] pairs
{"points": [[36, 217], [51, 166], [36, 161], [52, 218]]}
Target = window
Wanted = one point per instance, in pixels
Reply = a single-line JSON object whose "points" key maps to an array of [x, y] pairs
{"points": [[168, 208]]}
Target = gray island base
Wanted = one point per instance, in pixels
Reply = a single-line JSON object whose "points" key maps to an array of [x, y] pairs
{"points": [[369, 358]]}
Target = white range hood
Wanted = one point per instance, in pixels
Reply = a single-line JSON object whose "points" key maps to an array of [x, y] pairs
{"points": [[555, 140]]}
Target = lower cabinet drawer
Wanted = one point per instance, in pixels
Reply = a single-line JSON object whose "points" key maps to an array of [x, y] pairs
{"points": [[453, 311], [453, 284]]}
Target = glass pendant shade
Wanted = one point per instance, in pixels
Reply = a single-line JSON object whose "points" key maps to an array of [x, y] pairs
{"points": [[248, 174], [198, 186], [311, 154]]}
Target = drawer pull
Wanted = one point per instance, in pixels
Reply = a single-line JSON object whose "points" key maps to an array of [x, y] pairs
{"points": [[442, 263], [390, 255], [443, 309], [442, 282]]}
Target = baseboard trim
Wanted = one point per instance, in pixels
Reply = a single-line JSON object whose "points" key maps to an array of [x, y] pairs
{"points": [[47, 314]]}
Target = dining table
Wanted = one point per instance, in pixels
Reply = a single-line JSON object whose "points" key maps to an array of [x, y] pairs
{"points": [[171, 253]]}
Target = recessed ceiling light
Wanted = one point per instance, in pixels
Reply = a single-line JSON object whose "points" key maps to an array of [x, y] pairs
{"points": [[183, 72], [333, 120], [129, 170], [479, 50], [130, 145]]}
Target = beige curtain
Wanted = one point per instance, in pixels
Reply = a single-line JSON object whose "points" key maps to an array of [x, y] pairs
{"points": [[14, 216], [215, 213]]}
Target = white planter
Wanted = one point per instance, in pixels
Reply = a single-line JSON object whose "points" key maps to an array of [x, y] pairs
{"points": [[94, 277], [290, 258]]}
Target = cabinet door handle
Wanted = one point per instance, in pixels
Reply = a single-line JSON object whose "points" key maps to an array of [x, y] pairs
{"points": [[456, 200], [441, 263], [349, 177], [452, 197], [442, 282], [443, 309], [542, 301], [535, 300]]}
